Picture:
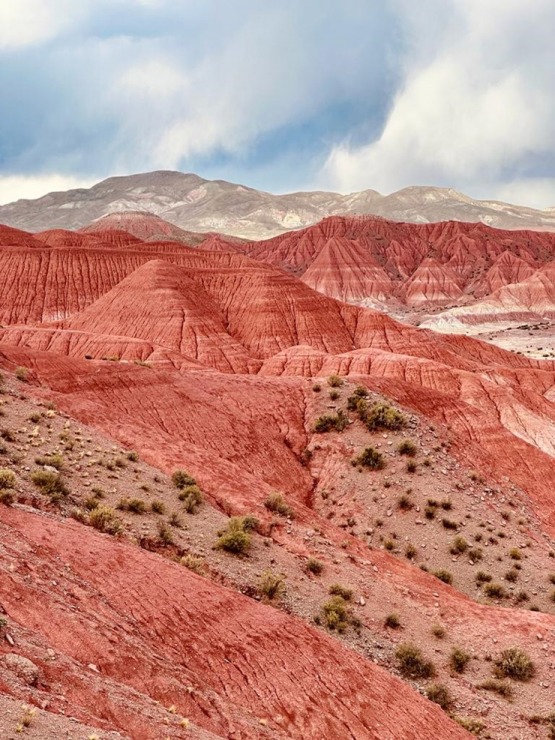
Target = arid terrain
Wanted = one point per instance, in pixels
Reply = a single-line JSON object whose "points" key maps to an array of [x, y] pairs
{"points": [[240, 500]]}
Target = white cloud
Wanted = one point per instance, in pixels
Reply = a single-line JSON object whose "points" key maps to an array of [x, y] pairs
{"points": [[28, 22], [476, 100], [537, 192], [13, 187]]}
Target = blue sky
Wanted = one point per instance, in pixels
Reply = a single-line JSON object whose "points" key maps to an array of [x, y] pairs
{"points": [[281, 94]]}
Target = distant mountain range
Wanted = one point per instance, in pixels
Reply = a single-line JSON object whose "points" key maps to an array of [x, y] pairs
{"points": [[195, 204]]}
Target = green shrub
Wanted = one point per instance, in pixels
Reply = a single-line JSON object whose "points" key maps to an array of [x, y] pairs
{"points": [[335, 614], [407, 447], [458, 660], [331, 422], [514, 663], [439, 694], [314, 566], [411, 662], [104, 519], [234, 538], [336, 589], [181, 479], [276, 503], [384, 416], [271, 585], [192, 498], [7, 478], [370, 458], [51, 484]]}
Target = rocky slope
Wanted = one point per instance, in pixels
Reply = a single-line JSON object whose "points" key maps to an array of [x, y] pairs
{"points": [[194, 204]]}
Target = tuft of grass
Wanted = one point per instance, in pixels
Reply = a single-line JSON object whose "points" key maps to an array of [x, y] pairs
{"points": [[336, 589], [411, 662], [474, 726], [104, 519], [22, 374], [181, 479], [133, 505], [271, 585], [439, 694], [331, 422], [443, 575], [458, 660], [370, 458], [314, 566], [407, 447], [336, 614], [392, 621], [383, 416], [54, 461], [438, 631], [165, 534], [276, 504], [495, 591], [133, 456], [192, 498], [334, 381], [194, 563], [235, 538], [515, 554], [459, 546], [51, 484], [514, 663], [410, 551], [7, 479], [157, 507], [404, 503], [502, 688], [449, 523]]}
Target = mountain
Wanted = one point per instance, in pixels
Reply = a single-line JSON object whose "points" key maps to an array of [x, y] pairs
{"points": [[198, 205]]}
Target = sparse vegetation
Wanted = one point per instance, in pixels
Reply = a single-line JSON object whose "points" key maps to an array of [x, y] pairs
{"points": [[49, 483], [104, 519], [193, 562], [22, 374], [384, 416], [392, 621], [495, 591], [192, 498], [503, 688], [271, 585], [235, 538], [7, 479], [407, 447], [165, 534], [133, 505], [54, 461], [314, 566], [514, 663], [181, 479], [459, 546], [439, 694], [443, 575], [458, 660], [277, 504], [475, 726], [334, 381], [157, 507], [412, 663], [370, 458], [336, 589], [438, 631], [331, 422]]}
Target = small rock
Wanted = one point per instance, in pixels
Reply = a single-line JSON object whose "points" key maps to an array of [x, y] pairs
{"points": [[22, 667]]}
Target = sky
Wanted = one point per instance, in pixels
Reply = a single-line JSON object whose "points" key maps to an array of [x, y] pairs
{"points": [[281, 95]]}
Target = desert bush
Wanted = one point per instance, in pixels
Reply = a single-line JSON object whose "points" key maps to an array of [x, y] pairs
{"points": [[91, 502], [335, 614], [482, 577], [235, 538], [410, 551], [334, 381], [133, 456], [438, 631], [443, 575], [384, 416], [104, 519], [314, 566], [331, 422], [133, 505], [412, 663], [404, 503], [458, 660], [22, 374], [407, 447], [276, 503], [515, 554], [181, 479], [7, 478], [449, 523], [430, 512], [165, 534], [271, 585], [334, 395], [412, 466], [6, 497], [370, 458], [502, 688], [495, 591], [392, 621], [459, 546], [49, 483], [193, 562], [174, 520], [474, 726], [511, 575], [514, 663], [439, 694], [475, 554], [192, 498], [157, 507], [316, 387], [336, 589], [54, 461], [7, 435]]}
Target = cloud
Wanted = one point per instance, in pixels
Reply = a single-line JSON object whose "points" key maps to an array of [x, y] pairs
{"points": [[13, 187], [475, 105], [29, 22]]}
